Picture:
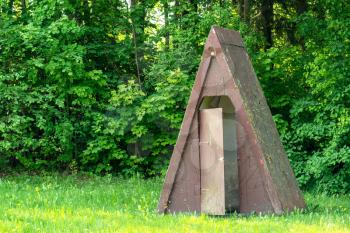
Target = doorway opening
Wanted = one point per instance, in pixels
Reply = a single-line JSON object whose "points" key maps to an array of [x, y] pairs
{"points": [[218, 156]]}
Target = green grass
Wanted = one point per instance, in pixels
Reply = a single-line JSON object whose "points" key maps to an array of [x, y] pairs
{"points": [[94, 204]]}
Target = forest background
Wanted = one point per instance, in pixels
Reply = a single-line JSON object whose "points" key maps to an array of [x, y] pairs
{"points": [[101, 86]]}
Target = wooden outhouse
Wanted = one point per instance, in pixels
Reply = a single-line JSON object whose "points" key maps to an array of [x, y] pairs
{"points": [[228, 155]]}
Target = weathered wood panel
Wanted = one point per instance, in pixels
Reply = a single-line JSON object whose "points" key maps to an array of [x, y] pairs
{"points": [[211, 150]]}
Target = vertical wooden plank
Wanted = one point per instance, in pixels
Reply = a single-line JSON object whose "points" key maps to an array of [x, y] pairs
{"points": [[212, 161], [231, 164], [232, 193]]}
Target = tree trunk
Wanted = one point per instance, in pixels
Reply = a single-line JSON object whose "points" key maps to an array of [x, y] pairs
{"points": [[240, 6], [267, 18], [86, 10], [246, 11], [166, 24], [301, 6], [10, 7], [138, 10], [176, 11], [24, 7], [194, 5]]}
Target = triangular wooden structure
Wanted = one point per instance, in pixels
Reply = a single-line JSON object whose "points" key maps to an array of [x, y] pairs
{"points": [[214, 170]]}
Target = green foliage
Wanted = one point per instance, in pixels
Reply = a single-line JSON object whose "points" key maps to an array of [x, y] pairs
{"points": [[50, 97], [102, 86], [308, 90], [321, 119], [42, 82]]}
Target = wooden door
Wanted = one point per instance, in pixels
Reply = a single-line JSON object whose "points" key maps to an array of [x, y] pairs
{"points": [[212, 161]]}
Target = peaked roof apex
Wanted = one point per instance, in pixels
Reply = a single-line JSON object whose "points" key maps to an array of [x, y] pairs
{"points": [[228, 37]]}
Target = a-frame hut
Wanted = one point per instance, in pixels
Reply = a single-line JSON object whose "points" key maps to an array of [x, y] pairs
{"points": [[228, 155]]}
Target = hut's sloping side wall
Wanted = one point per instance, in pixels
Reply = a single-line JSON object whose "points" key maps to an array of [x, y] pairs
{"points": [[281, 183], [181, 189]]}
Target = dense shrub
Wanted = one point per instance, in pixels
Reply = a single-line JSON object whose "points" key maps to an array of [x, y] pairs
{"points": [[102, 86]]}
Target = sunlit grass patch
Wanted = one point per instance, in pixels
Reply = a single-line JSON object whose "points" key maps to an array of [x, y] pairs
{"points": [[106, 204]]}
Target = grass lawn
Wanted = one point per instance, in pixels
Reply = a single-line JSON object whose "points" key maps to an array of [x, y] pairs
{"points": [[105, 204]]}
